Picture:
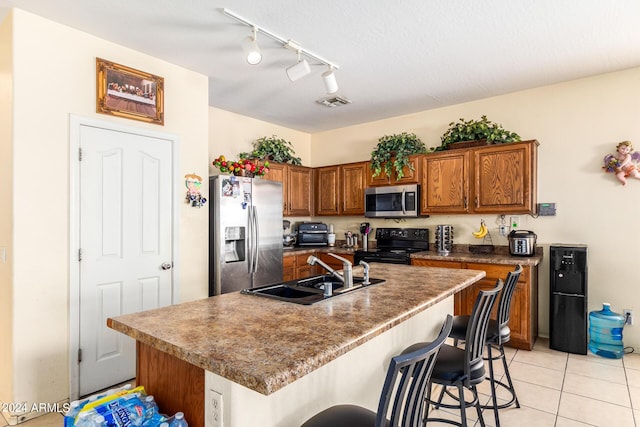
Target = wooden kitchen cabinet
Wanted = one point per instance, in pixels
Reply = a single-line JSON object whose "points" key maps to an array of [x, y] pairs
{"points": [[332, 262], [297, 188], [411, 176], [296, 267], [340, 189], [488, 179], [523, 320]]}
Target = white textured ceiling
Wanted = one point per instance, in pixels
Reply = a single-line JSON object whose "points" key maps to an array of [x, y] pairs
{"points": [[395, 56]]}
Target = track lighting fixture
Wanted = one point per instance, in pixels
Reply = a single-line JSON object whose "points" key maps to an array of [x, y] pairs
{"points": [[330, 82], [294, 72], [251, 49], [298, 70]]}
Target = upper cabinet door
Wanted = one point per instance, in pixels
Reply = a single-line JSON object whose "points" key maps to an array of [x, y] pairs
{"points": [[353, 177], [299, 189], [411, 175], [328, 190], [445, 182], [278, 172], [505, 178]]}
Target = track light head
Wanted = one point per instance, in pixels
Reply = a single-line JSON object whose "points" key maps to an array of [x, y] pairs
{"points": [[330, 82], [298, 70], [251, 49]]}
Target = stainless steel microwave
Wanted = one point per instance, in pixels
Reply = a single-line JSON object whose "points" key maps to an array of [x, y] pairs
{"points": [[395, 201]]}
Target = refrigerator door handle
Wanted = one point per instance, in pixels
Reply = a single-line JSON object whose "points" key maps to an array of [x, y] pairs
{"points": [[250, 241], [256, 239]]}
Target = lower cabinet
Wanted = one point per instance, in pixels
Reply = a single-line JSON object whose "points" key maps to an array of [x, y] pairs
{"points": [[296, 267], [524, 305], [336, 264]]}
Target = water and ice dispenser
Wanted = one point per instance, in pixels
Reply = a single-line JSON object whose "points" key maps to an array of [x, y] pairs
{"points": [[234, 244]]}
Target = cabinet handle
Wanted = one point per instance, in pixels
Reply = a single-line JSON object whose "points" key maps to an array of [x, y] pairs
{"points": [[476, 201], [465, 202]]}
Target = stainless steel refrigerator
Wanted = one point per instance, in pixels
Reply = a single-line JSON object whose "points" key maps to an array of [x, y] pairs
{"points": [[245, 233]]}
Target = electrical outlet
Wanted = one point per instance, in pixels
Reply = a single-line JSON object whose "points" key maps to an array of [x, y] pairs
{"points": [[514, 222], [628, 316], [503, 230], [216, 407]]}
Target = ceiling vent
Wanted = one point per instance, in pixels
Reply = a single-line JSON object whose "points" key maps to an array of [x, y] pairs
{"points": [[333, 101]]}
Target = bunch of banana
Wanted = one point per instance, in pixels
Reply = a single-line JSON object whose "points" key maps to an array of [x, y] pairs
{"points": [[482, 231]]}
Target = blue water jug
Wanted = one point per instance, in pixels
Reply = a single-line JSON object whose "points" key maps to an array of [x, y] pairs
{"points": [[605, 333]]}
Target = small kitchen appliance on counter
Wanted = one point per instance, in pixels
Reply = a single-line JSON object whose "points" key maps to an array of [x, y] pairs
{"points": [[395, 245], [522, 242], [313, 234]]}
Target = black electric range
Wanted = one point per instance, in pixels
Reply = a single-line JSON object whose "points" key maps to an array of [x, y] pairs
{"points": [[395, 245]]}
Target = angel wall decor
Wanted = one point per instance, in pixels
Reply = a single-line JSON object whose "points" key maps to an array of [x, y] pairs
{"points": [[624, 163]]}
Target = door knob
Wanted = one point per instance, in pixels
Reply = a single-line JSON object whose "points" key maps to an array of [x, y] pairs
{"points": [[166, 266]]}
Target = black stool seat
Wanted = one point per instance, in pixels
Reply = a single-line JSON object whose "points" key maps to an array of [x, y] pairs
{"points": [[344, 416], [459, 330]]}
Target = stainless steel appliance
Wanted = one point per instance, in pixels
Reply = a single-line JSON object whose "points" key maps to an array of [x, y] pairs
{"points": [[522, 242], [245, 233], [394, 201], [313, 234], [395, 245]]}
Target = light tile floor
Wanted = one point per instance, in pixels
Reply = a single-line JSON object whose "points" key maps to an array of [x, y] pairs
{"points": [[555, 389]]}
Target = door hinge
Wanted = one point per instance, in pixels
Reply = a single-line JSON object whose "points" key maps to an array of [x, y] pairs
{"points": [[79, 355], [80, 154], [79, 254]]}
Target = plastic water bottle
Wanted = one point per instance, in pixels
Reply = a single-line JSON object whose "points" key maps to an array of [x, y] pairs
{"points": [[605, 333], [150, 407], [178, 420]]}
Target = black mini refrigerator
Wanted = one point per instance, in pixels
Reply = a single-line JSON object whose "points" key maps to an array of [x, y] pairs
{"points": [[568, 302]]}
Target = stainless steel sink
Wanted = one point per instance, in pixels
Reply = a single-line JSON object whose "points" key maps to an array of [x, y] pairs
{"points": [[309, 290]]}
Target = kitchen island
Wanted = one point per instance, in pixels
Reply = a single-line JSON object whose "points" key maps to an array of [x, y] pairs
{"points": [[276, 363]]}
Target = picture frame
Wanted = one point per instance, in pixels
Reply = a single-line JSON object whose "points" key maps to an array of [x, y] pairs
{"points": [[126, 92]]}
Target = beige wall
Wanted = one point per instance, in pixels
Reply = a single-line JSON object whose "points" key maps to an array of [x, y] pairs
{"points": [[6, 208], [54, 76], [577, 123], [231, 134]]}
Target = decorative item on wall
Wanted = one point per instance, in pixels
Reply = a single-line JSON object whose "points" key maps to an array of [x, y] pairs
{"points": [[193, 183], [393, 151], [624, 163], [471, 133], [129, 93], [272, 148], [242, 167]]}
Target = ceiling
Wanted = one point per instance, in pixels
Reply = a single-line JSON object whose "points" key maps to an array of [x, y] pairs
{"points": [[395, 57]]}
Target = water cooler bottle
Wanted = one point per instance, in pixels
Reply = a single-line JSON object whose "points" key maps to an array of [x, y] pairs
{"points": [[568, 302]]}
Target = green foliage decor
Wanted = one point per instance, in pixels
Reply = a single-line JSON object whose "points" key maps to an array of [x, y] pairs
{"points": [[272, 148], [393, 151], [470, 130]]}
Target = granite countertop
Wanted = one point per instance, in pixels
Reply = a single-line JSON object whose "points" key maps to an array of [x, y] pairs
{"points": [[460, 253], [500, 256], [265, 344]]}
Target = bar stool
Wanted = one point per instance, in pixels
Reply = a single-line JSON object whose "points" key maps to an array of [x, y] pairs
{"points": [[402, 399], [498, 334], [464, 367]]}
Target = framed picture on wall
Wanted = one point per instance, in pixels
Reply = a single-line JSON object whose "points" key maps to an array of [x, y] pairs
{"points": [[125, 92]]}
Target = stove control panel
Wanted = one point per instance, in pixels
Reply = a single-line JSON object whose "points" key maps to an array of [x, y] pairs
{"points": [[412, 234]]}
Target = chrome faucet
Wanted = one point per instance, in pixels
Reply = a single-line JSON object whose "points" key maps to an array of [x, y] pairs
{"points": [[365, 280], [345, 277]]}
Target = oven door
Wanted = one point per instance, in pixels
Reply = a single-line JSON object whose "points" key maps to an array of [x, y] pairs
{"points": [[392, 201]]}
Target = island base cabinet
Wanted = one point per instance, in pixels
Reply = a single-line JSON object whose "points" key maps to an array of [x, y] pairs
{"points": [[176, 385], [356, 377]]}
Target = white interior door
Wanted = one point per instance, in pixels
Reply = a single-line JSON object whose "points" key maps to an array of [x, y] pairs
{"points": [[126, 245]]}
